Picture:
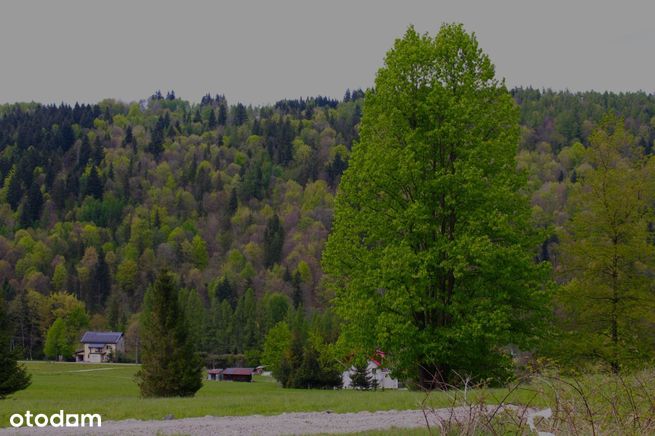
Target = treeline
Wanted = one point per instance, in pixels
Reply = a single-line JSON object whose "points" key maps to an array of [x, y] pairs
{"points": [[235, 200]]}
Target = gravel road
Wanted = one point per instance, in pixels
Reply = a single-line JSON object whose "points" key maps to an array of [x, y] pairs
{"points": [[285, 424]]}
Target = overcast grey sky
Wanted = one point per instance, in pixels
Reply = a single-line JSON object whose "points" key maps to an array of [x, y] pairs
{"points": [[262, 51]]}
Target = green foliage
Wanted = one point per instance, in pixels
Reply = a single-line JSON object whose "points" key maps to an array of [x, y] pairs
{"points": [[57, 345], [170, 365], [360, 377], [13, 376], [298, 356], [607, 256], [273, 241], [277, 342], [431, 256]]}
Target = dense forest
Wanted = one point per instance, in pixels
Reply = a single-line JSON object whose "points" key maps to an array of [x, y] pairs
{"points": [[237, 201]]}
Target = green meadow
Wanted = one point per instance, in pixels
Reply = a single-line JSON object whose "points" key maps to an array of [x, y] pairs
{"points": [[109, 389]]}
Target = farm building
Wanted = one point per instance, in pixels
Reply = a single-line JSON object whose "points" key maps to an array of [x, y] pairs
{"points": [[100, 347], [376, 372], [215, 374], [238, 374]]}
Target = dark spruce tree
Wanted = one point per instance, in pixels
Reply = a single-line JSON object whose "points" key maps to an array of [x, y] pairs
{"points": [[12, 375], [360, 377], [273, 241], [170, 365], [32, 207], [94, 186]]}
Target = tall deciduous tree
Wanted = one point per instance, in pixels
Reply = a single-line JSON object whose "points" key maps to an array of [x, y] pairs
{"points": [[431, 256], [170, 366], [607, 254]]}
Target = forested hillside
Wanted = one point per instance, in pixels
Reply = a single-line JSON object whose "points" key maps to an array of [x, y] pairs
{"points": [[96, 199]]}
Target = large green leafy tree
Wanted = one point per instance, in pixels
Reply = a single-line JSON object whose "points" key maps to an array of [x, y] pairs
{"points": [[607, 255], [13, 376], [170, 365], [431, 256]]}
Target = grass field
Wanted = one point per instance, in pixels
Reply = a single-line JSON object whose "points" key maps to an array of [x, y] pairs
{"points": [[109, 389]]}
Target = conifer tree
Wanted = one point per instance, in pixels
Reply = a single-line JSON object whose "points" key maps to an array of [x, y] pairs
{"points": [[211, 121], [171, 367], [14, 189], [607, 257], [94, 186], [273, 241], [360, 378], [13, 376]]}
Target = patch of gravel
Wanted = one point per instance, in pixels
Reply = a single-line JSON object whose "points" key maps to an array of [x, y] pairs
{"points": [[285, 424]]}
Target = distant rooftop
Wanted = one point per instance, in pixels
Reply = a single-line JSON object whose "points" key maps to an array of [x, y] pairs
{"points": [[101, 337], [238, 371]]}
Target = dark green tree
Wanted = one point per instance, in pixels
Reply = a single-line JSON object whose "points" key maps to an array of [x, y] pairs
{"points": [[13, 376], [360, 377], [14, 189], [211, 121], [170, 366], [222, 114], [432, 240], [33, 205], [94, 185], [128, 136], [233, 205], [273, 241], [297, 297]]}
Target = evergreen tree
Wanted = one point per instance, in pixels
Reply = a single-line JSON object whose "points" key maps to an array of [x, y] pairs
{"points": [[225, 292], [297, 296], [33, 205], [360, 378], [607, 306], [222, 115], [156, 145], [170, 366], [102, 281], [13, 376], [94, 186], [211, 121], [240, 115], [233, 205], [14, 189], [128, 136], [273, 241]]}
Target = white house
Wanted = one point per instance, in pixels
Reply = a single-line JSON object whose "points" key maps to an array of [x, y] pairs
{"points": [[376, 372], [100, 347]]}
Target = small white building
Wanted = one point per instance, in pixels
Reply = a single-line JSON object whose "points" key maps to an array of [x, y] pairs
{"points": [[376, 372], [100, 347]]}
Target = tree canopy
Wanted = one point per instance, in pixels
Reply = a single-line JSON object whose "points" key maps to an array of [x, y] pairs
{"points": [[431, 256]]}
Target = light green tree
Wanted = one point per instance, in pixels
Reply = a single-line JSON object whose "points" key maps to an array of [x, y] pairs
{"points": [[277, 342], [57, 343], [607, 254], [431, 257]]}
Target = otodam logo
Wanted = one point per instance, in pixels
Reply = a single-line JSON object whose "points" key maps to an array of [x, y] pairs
{"points": [[60, 419]]}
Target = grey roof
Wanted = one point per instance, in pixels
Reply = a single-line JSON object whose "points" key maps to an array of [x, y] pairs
{"points": [[101, 337]]}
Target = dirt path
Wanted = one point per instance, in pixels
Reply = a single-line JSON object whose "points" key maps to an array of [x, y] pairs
{"points": [[285, 424]]}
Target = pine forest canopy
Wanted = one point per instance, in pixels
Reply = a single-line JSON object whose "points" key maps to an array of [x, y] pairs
{"points": [[237, 201]]}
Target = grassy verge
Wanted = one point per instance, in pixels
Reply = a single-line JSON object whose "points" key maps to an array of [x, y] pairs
{"points": [[111, 391]]}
